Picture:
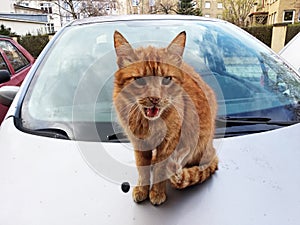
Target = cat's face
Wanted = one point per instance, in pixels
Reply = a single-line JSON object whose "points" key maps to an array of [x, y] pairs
{"points": [[152, 95], [148, 79]]}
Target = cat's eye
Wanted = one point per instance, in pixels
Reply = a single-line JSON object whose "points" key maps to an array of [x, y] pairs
{"points": [[140, 81], [166, 80]]}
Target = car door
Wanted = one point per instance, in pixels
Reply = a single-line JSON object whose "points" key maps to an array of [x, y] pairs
{"points": [[17, 61]]}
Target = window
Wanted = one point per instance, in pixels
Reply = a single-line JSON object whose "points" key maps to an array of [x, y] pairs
{"points": [[3, 65], [274, 18], [151, 3], [288, 16], [220, 5], [50, 28], [25, 4], [46, 7], [16, 58], [68, 17], [248, 79], [207, 15], [135, 2], [66, 6], [207, 5]]}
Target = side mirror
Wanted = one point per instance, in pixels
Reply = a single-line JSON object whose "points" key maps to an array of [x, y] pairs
{"points": [[4, 76], [7, 94]]}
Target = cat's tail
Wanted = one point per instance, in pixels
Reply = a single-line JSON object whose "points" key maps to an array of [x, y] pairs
{"points": [[188, 176]]}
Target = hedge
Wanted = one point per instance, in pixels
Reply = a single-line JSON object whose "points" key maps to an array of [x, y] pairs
{"points": [[33, 44], [262, 33], [292, 30]]}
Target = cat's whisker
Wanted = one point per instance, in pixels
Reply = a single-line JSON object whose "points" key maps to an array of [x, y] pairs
{"points": [[129, 107]]}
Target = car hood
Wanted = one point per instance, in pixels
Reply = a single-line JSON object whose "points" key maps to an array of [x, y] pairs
{"points": [[51, 181]]}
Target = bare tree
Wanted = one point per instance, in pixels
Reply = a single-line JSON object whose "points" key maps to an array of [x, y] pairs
{"points": [[175, 6], [85, 8], [167, 7], [237, 11], [90, 8], [68, 6]]}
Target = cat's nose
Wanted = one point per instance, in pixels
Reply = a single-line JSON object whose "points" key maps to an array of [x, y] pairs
{"points": [[154, 100]]}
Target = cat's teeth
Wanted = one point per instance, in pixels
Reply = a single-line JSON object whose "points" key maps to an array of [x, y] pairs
{"points": [[152, 112]]}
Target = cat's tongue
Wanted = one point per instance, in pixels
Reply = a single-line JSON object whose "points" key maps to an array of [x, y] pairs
{"points": [[152, 112]]}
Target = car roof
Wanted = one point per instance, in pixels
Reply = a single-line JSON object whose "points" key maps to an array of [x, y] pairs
{"points": [[101, 19], [3, 36]]}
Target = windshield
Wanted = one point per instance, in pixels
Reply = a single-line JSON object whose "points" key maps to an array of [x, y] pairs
{"points": [[72, 87]]}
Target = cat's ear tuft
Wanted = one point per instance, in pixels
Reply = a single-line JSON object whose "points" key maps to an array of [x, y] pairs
{"points": [[124, 51], [178, 44]]}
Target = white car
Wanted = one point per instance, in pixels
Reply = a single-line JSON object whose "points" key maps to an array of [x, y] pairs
{"points": [[64, 159], [290, 52]]}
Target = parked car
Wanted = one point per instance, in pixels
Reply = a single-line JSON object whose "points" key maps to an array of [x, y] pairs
{"points": [[290, 52], [15, 62], [64, 159]]}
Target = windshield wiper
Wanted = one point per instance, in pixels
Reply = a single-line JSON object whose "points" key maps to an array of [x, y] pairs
{"points": [[230, 121], [229, 126], [46, 132], [52, 133], [117, 137]]}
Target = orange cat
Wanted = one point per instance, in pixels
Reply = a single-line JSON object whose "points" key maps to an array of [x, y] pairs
{"points": [[168, 113]]}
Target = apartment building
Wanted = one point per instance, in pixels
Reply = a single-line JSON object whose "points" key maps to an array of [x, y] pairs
{"points": [[275, 11], [59, 12], [53, 19], [56, 13], [283, 11], [22, 20], [211, 8], [142, 6]]}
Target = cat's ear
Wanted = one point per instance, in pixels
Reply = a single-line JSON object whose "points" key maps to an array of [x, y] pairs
{"points": [[124, 51], [177, 45]]}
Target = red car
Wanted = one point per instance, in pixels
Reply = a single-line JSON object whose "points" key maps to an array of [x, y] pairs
{"points": [[15, 62]]}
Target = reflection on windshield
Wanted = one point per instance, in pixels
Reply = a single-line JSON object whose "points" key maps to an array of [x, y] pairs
{"points": [[73, 85]]}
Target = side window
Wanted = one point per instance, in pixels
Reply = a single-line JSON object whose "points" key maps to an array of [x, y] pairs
{"points": [[16, 58], [3, 65]]}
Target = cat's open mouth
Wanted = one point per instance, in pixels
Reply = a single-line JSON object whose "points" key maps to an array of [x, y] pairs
{"points": [[152, 112]]}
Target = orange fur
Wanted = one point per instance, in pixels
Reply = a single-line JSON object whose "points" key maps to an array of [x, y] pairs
{"points": [[168, 113]]}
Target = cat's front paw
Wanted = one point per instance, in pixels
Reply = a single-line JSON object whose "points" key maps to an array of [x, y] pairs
{"points": [[140, 193], [157, 197]]}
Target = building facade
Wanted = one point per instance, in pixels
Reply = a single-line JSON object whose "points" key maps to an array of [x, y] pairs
{"points": [[211, 8], [275, 12], [60, 13], [151, 6], [57, 12], [283, 11], [22, 20]]}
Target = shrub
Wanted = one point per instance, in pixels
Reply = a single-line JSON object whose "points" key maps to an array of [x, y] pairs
{"points": [[292, 30], [262, 33], [34, 44], [6, 31]]}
